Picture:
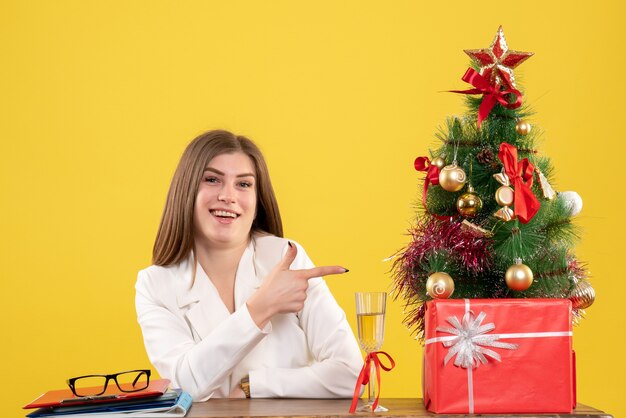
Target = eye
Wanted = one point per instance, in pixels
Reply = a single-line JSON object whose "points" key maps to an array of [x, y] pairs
{"points": [[211, 179], [245, 184]]}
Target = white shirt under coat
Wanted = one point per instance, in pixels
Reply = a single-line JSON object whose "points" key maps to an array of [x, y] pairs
{"points": [[192, 339]]}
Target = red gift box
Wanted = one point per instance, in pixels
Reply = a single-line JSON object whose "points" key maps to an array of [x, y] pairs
{"points": [[499, 356]]}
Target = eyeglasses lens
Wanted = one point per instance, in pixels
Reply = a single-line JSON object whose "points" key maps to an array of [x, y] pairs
{"points": [[132, 381], [89, 385]]}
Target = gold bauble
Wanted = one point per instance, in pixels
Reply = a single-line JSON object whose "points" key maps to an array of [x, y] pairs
{"points": [[452, 178], [505, 196], [439, 285], [469, 204], [582, 296], [439, 162], [519, 276], [523, 127]]}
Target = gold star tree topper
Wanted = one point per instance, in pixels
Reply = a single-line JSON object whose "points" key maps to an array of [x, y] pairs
{"points": [[497, 62]]}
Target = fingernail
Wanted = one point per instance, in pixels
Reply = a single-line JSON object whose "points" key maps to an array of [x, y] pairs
{"points": [[290, 244], [346, 270]]}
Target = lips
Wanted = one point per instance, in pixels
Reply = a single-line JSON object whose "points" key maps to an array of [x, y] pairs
{"points": [[222, 213]]}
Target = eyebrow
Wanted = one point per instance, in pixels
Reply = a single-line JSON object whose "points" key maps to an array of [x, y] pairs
{"points": [[221, 173]]}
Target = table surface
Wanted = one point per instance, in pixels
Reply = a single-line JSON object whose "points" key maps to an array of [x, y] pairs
{"points": [[398, 407]]}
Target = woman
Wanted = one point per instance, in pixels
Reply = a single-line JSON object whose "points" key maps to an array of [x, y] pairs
{"points": [[229, 307]]}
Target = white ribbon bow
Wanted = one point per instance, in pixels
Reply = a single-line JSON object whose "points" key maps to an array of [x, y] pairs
{"points": [[471, 340]]}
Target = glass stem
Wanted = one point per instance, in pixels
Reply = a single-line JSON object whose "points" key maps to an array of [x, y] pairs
{"points": [[371, 387]]}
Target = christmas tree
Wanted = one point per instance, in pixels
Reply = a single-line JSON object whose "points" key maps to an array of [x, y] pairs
{"points": [[489, 224]]}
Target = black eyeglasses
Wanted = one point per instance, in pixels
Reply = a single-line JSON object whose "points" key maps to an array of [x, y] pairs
{"points": [[96, 384]]}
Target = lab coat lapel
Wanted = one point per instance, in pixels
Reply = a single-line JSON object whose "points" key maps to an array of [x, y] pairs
{"points": [[206, 309], [189, 290]]}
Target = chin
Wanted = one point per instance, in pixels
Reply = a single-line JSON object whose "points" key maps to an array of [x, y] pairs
{"points": [[225, 239]]}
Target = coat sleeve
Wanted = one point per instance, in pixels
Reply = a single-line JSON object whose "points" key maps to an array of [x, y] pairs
{"points": [[336, 356], [199, 368]]}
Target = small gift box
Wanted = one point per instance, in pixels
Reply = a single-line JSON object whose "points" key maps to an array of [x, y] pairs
{"points": [[499, 356]]}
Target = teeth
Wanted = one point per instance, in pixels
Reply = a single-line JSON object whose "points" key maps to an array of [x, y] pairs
{"points": [[224, 213]]}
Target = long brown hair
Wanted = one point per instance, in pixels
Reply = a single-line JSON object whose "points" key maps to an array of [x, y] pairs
{"points": [[174, 241]]}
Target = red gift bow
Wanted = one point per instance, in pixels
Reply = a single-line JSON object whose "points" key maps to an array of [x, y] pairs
{"points": [[364, 376], [432, 174], [520, 174], [492, 94]]}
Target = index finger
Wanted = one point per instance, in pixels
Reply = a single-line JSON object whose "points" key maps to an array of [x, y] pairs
{"points": [[322, 271]]}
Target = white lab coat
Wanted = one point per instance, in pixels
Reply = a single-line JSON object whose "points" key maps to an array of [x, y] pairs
{"points": [[192, 339]]}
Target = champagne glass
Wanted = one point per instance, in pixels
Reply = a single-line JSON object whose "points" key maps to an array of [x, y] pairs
{"points": [[370, 315]]}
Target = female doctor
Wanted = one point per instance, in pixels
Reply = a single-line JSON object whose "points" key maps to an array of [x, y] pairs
{"points": [[229, 308]]}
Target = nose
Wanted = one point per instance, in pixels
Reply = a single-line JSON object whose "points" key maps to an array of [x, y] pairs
{"points": [[226, 194]]}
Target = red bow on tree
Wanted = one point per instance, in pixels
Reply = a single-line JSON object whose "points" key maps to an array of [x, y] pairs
{"points": [[520, 175], [432, 174], [364, 376], [491, 94]]}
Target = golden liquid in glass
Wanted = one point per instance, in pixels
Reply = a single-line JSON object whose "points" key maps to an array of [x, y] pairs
{"points": [[371, 327]]}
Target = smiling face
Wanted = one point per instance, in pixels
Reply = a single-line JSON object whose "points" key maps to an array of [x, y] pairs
{"points": [[225, 205]]}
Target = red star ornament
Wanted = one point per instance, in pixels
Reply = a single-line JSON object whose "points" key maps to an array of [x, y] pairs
{"points": [[497, 62]]}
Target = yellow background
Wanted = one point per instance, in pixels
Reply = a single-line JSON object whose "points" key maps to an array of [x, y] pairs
{"points": [[98, 100]]}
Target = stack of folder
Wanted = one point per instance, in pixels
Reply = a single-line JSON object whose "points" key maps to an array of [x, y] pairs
{"points": [[154, 401]]}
